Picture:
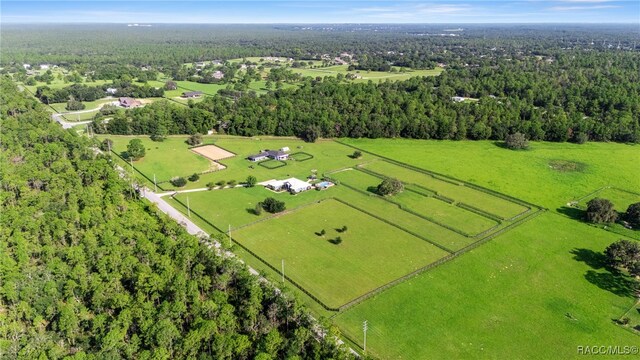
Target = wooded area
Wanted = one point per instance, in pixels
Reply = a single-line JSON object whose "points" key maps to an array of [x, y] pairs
{"points": [[91, 271]]}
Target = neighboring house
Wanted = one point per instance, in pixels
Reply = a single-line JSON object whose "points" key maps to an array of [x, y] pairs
{"points": [[192, 94], [128, 102], [216, 62], [112, 91], [26, 66], [458, 98], [200, 64], [218, 74], [269, 154], [291, 185], [45, 66]]}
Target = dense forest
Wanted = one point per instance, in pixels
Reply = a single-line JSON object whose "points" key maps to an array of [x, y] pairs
{"points": [[595, 96], [89, 271]]}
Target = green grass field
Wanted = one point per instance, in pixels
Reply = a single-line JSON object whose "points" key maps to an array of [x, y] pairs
{"points": [[337, 273], [165, 159], [451, 215], [375, 76], [531, 293], [621, 199], [536, 291], [489, 203], [526, 175]]}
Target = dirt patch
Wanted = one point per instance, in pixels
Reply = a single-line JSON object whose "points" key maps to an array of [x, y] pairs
{"points": [[567, 166], [213, 152]]}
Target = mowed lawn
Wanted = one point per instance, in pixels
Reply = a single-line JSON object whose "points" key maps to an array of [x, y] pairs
{"points": [[371, 254], [536, 292], [166, 159], [327, 155], [489, 203]]}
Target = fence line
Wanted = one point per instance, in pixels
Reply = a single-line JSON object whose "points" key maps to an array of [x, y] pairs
{"points": [[434, 264]]}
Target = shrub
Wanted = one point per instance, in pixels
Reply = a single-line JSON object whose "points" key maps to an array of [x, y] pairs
{"points": [[195, 139], [322, 232], [73, 105], [390, 187], [601, 211], [106, 145], [632, 215], [210, 185], [178, 182], [273, 206], [251, 181], [232, 183], [516, 141], [221, 183], [356, 154], [194, 177], [135, 149], [258, 209]]}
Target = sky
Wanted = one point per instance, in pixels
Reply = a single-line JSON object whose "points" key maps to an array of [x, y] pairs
{"points": [[319, 11]]}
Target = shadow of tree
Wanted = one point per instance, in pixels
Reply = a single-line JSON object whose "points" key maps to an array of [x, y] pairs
{"points": [[611, 280], [616, 283], [500, 144], [592, 258], [373, 189], [571, 212]]}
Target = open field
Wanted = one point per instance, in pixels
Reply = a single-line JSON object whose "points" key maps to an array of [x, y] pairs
{"points": [[165, 159], [621, 199], [525, 175], [337, 273], [375, 76], [534, 291], [540, 284], [491, 204], [451, 215]]}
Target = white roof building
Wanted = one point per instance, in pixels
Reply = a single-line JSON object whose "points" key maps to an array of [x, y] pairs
{"points": [[292, 185]]}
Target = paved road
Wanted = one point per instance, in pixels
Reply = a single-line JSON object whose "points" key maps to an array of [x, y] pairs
{"points": [[157, 199]]}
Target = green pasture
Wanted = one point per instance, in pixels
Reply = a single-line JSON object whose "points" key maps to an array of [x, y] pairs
{"points": [[371, 253], [166, 159], [526, 175], [536, 292], [451, 215], [489, 203], [621, 199], [89, 105], [375, 76]]}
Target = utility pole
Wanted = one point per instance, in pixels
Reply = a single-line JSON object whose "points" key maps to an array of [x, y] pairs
{"points": [[131, 162], [365, 326], [188, 207], [229, 236], [283, 271], [155, 185]]}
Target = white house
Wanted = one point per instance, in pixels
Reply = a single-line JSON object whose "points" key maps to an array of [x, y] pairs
{"points": [[269, 154], [291, 185], [45, 66], [26, 66], [112, 91]]}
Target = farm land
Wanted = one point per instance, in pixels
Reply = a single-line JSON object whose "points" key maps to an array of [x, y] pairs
{"points": [[500, 257]]}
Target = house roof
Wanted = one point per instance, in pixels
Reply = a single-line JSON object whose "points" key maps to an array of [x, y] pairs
{"points": [[127, 101], [268, 153], [192, 93]]}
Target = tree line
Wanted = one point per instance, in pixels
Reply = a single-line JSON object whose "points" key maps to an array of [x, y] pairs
{"points": [[81, 92], [90, 271], [596, 97]]}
